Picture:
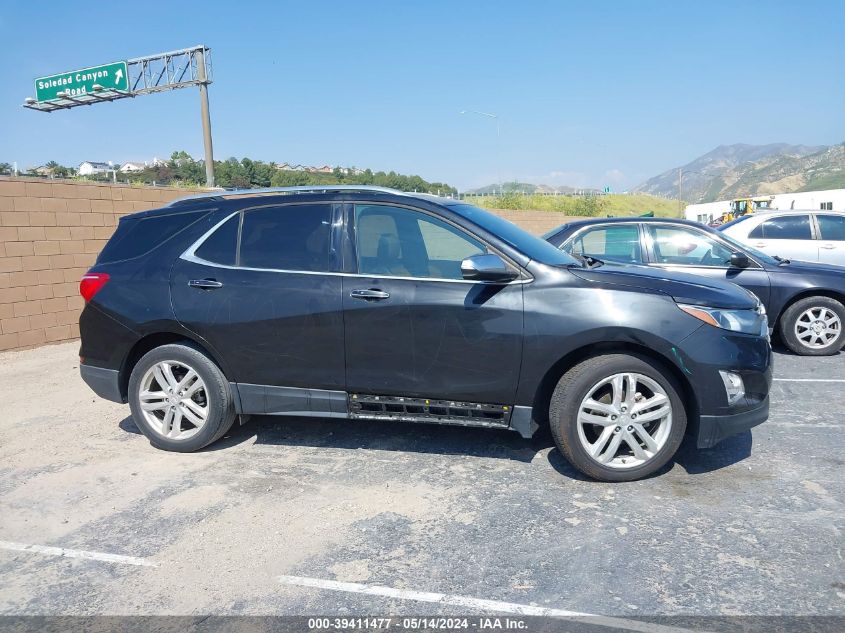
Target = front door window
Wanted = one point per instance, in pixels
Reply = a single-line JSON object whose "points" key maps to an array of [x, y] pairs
{"points": [[397, 242], [681, 246]]}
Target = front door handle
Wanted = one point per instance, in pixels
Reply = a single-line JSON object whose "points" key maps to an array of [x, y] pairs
{"points": [[370, 294], [760, 244], [205, 284], [828, 247]]}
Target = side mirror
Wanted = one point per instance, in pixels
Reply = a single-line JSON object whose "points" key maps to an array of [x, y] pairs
{"points": [[487, 268], [740, 260]]}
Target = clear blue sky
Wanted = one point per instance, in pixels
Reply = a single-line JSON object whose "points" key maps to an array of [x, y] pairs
{"points": [[588, 93]]}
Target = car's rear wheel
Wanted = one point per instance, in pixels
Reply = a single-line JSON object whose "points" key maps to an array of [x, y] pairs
{"points": [[617, 417], [814, 326], [180, 399]]}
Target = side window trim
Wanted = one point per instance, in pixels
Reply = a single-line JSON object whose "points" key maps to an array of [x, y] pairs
{"points": [[238, 239], [343, 224], [815, 227], [190, 253], [524, 276]]}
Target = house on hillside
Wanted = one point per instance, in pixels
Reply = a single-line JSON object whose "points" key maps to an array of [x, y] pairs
{"points": [[128, 168], [89, 168]]}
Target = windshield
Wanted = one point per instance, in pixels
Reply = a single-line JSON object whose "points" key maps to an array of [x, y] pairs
{"points": [[553, 232], [759, 255], [741, 218], [523, 241]]}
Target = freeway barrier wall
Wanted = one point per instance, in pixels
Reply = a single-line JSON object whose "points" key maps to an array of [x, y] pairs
{"points": [[51, 232]]}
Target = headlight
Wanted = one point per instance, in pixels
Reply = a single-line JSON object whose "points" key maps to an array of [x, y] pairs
{"points": [[745, 321]]}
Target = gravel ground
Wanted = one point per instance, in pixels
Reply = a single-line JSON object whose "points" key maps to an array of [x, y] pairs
{"points": [[751, 527]]}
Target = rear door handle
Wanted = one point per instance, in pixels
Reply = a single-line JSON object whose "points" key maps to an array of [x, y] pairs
{"points": [[370, 294], [205, 284], [760, 244]]}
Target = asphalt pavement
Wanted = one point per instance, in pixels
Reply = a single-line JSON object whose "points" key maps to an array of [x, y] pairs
{"points": [[293, 516]]}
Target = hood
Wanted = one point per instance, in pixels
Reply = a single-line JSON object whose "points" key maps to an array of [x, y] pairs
{"points": [[683, 288], [797, 267]]}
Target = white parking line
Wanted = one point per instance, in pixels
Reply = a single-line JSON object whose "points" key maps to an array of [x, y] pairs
{"points": [[494, 606], [809, 379], [77, 553]]}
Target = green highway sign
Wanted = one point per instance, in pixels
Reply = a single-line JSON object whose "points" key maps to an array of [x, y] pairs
{"points": [[80, 82]]}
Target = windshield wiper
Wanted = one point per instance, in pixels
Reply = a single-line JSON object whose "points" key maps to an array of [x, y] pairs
{"points": [[781, 260]]}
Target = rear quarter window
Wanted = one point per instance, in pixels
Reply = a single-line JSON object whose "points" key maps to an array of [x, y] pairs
{"points": [[222, 245], [137, 236]]}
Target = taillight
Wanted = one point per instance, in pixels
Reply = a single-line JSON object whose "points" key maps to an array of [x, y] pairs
{"points": [[91, 284]]}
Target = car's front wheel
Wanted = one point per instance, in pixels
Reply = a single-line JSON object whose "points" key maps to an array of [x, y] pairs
{"points": [[180, 399], [617, 417], [813, 326]]}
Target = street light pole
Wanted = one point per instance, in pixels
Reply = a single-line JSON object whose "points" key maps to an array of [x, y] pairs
{"points": [[680, 186], [490, 115]]}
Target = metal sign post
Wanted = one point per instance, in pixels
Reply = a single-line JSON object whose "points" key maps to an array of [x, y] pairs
{"points": [[132, 78], [206, 119]]}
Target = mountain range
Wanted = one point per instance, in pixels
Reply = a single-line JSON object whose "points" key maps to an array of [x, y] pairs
{"points": [[528, 188], [732, 171]]}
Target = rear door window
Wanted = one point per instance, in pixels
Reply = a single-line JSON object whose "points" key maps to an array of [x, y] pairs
{"points": [[619, 243], [137, 236], [832, 227], [789, 227], [295, 237]]}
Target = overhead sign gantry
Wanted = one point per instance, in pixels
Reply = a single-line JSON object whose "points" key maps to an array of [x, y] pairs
{"points": [[132, 78]]}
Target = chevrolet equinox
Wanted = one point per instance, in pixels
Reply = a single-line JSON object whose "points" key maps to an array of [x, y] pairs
{"points": [[369, 303]]}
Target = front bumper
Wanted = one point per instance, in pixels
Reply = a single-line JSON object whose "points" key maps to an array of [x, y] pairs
{"points": [[712, 429], [702, 356], [104, 382]]}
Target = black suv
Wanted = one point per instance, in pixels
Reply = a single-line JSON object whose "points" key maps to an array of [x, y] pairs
{"points": [[373, 304]]}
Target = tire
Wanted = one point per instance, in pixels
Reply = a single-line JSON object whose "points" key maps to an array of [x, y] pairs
{"points": [[798, 319], [213, 398], [570, 435]]}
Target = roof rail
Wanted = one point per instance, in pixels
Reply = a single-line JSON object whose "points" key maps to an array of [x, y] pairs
{"points": [[219, 195]]}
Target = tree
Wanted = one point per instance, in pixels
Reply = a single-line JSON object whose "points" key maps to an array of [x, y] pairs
{"points": [[180, 157], [5, 168], [591, 206], [246, 173], [289, 179]]}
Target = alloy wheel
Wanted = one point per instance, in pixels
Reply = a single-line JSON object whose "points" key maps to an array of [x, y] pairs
{"points": [[173, 400], [624, 420]]}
